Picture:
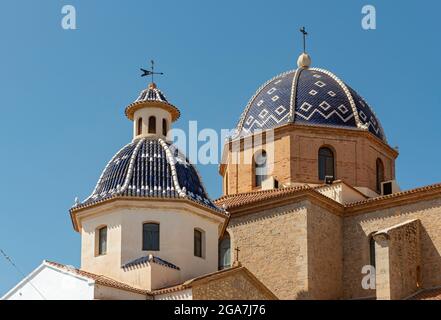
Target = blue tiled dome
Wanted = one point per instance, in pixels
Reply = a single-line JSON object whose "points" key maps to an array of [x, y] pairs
{"points": [[152, 95], [308, 96], [150, 168]]}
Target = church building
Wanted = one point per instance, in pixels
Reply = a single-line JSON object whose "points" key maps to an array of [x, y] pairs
{"points": [[310, 208]]}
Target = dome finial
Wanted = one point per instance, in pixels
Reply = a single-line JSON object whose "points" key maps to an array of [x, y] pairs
{"points": [[304, 60]]}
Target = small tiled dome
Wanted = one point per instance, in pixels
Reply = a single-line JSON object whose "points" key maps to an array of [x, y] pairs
{"points": [[154, 97], [150, 168], [308, 96]]}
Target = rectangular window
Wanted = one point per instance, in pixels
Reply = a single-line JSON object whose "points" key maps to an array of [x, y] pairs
{"points": [[102, 241], [197, 243], [150, 237]]}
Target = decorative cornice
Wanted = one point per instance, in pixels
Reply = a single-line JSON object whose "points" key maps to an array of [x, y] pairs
{"points": [[131, 108], [393, 200], [252, 202], [75, 211]]}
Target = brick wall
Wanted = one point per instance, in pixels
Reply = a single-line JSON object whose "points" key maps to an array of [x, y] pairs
{"points": [[296, 158]]}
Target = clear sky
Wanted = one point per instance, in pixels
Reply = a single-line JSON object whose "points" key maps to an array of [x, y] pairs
{"points": [[63, 92]]}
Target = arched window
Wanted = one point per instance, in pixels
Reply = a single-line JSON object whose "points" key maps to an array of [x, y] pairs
{"points": [[326, 163], [199, 243], [225, 252], [102, 240], [150, 236], [164, 127], [260, 168], [152, 124], [380, 174], [372, 250], [139, 126]]}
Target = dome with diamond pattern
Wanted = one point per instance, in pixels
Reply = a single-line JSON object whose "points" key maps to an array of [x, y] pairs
{"points": [[308, 96]]}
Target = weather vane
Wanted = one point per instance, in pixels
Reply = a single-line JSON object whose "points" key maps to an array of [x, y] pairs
{"points": [[150, 72], [303, 31]]}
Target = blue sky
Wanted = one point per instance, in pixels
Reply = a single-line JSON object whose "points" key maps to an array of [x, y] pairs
{"points": [[63, 92]]}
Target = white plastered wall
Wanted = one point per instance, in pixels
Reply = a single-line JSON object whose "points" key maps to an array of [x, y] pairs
{"points": [[124, 244], [145, 114], [49, 283]]}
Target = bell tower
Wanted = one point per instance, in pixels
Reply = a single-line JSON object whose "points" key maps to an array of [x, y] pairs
{"points": [[151, 113]]}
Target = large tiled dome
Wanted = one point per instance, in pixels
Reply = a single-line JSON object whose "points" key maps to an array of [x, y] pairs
{"points": [[308, 96], [149, 168]]}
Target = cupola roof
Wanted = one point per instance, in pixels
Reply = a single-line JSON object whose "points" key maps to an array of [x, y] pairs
{"points": [[149, 168], [152, 96], [307, 96]]}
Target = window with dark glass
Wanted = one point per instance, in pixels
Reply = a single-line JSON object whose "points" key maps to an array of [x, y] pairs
{"points": [[372, 250], [198, 243], [326, 163], [139, 127], [150, 236], [152, 124], [225, 252], [164, 127], [260, 168], [102, 241], [380, 174]]}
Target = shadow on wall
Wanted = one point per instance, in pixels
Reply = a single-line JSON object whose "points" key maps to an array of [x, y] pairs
{"points": [[302, 295], [430, 262]]}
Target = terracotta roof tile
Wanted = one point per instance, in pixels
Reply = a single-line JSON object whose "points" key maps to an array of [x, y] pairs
{"points": [[147, 259], [243, 199], [99, 279], [213, 276], [430, 294], [187, 284], [240, 199], [433, 187]]}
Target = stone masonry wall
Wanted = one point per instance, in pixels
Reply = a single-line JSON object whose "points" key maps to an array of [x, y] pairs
{"points": [[356, 232], [273, 246], [325, 253], [398, 261], [234, 287]]}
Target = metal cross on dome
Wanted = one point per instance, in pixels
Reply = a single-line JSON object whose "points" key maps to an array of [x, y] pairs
{"points": [[303, 31], [150, 72]]}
